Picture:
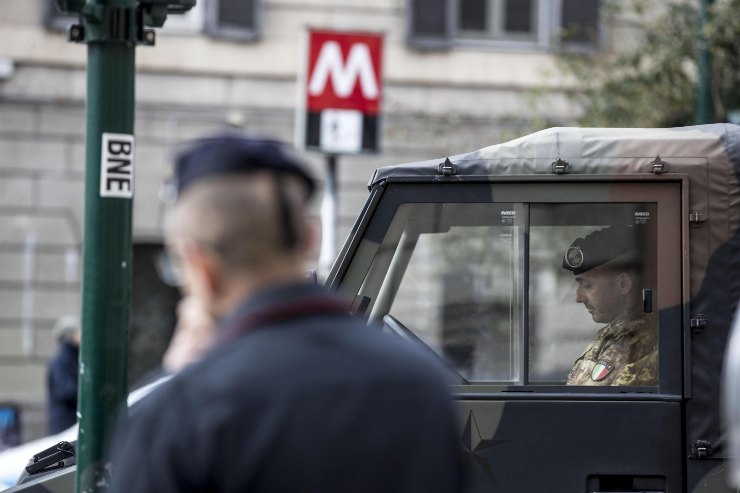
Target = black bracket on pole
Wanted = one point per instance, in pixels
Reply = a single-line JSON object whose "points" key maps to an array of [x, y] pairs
{"points": [[107, 23]]}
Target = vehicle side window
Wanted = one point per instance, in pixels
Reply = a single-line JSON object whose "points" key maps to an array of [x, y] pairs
{"points": [[461, 292], [523, 293], [590, 266], [455, 282]]}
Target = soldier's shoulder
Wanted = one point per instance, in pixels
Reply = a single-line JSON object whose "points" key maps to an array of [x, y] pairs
{"points": [[642, 326]]}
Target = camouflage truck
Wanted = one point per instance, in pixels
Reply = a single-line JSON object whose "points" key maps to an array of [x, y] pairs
{"points": [[479, 257]]}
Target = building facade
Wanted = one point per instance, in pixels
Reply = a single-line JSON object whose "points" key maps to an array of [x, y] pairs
{"points": [[458, 75]]}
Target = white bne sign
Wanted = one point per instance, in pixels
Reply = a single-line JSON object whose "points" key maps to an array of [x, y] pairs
{"points": [[117, 166]]}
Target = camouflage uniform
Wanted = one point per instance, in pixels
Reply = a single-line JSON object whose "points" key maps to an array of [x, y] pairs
{"points": [[625, 352]]}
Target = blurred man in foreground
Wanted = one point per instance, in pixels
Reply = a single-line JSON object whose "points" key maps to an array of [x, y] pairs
{"points": [[608, 275], [295, 395]]}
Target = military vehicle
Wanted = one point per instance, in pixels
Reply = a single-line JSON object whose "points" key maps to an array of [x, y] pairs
{"points": [[466, 254]]}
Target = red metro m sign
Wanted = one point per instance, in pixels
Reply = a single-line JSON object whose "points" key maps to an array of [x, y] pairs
{"points": [[343, 92]]}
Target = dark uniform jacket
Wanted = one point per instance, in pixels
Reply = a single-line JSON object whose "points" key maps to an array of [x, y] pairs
{"points": [[299, 397], [61, 382]]}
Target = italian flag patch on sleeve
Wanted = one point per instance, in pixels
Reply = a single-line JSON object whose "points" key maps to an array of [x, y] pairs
{"points": [[601, 370]]}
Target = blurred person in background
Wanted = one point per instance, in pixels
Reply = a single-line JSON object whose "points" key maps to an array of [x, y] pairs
{"points": [[9, 427], [295, 394], [62, 374]]}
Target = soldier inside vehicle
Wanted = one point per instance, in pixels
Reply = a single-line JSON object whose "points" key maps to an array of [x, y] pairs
{"points": [[608, 273]]}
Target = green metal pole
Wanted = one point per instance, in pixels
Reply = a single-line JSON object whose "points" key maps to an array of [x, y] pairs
{"points": [[107, 240], [704, 104]]}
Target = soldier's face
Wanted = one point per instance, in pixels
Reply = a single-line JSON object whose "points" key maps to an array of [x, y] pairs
{"points": [[602, 292]]}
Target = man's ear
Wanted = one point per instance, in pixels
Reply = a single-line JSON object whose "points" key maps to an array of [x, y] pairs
{"points": [[624, 282], [311, 240], [203, 267]]}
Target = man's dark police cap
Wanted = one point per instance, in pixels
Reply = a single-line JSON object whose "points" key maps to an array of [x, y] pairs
{"points": [[602, 246], [231, 153]]}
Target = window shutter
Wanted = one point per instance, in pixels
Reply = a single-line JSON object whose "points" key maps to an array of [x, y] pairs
{"points": [[430, 23], [234, 19], [580, 22]]}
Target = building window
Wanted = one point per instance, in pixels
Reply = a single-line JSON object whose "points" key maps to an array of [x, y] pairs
{"points": [[498, 19], [191, 22], [579, 24], [234, 19], [430, 23], [527, 24], [57, 20]]}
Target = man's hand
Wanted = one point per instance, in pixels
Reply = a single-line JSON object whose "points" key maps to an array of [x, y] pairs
{"points": [[194, 335]]}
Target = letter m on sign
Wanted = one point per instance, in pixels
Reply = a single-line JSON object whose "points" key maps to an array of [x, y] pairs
{"points": [[343, 91]]}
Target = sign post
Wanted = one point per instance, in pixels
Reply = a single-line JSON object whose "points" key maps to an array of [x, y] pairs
{"points": [[107, 244], [111, 29], [343, 94]]}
